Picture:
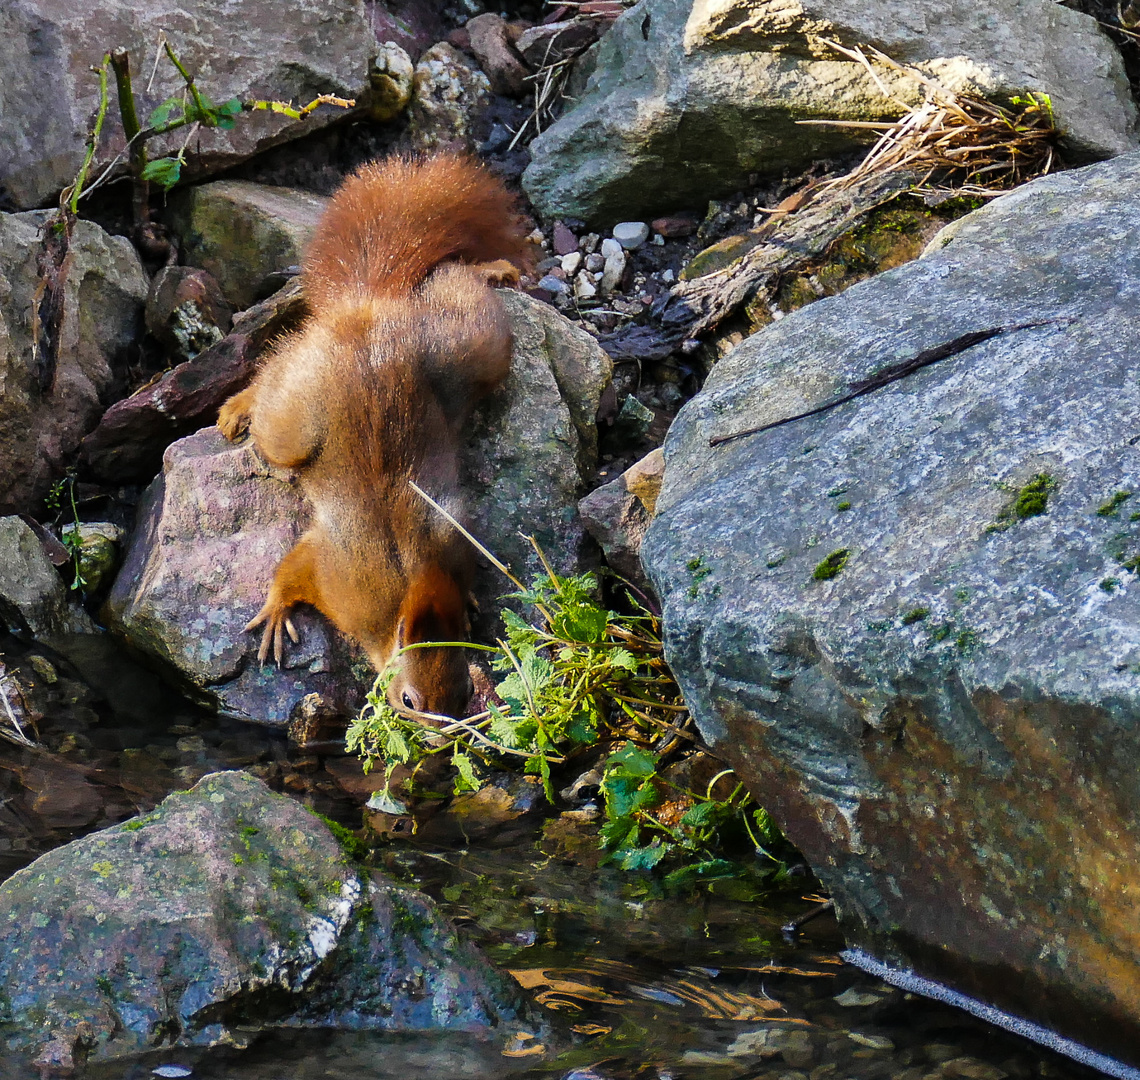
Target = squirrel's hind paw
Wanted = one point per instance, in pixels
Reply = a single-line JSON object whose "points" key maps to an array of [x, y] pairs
{"points": [[499, 273], [234, 416]]}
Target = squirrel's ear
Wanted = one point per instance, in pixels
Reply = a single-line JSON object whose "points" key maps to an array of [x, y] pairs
{"points": [[401, 633]]}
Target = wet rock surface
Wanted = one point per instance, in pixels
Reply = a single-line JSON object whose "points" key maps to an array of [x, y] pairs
{"points": [[224, 906], [909, 620], [727, 80]]}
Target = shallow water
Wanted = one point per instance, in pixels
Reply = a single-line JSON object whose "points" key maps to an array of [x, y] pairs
{"points": [[635, 984]]}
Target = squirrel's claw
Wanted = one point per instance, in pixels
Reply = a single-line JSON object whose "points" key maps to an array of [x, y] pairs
{"points": [[277, 624]]}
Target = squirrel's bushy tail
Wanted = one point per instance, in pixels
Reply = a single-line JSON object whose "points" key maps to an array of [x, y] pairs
{"points": [[395, 220]]}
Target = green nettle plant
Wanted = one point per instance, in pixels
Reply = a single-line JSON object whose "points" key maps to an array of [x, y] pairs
{"points": [[581, 675]]}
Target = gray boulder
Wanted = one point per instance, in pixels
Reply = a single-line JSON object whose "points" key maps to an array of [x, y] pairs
{"points": [[912, 622], [227, 905], [289, 52], [102, 315], [242, 232], [687, 97], [214, 525], [33, 597]]}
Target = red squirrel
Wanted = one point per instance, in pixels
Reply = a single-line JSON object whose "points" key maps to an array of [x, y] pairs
{"points": [[405, 335]]}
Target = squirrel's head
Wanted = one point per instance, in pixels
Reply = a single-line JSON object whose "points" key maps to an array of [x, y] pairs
{"points": [[432, 680]]}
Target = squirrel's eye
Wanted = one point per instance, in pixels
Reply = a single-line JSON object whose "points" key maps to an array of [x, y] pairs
{"points": [[408, 703]]}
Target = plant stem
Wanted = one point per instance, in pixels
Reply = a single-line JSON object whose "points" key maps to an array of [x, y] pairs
{"points": [[199, 104], [93, 142], [140, 190]]}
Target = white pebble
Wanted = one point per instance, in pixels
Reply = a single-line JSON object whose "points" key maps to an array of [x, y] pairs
{"points": [[631, 234], [657, 240], [171, 1071], [668, 276], [611, 247], [614, 268], [571, 262], [584, 288], [589, 243]]}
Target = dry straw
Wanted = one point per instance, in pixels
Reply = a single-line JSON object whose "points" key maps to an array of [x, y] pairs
{"points": [[962, 143]]}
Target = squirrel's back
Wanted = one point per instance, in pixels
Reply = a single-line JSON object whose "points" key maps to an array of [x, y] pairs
{"points": [[394, 221]]}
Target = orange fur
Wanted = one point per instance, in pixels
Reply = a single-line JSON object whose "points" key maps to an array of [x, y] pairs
{"points": [[406, 334]]}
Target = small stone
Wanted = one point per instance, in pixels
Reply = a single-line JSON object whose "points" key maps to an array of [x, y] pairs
{"points": [[631, 234], [564, 240], [553, 285], [613, 270], [44, 668], [584, 287], [668, 277], [970, 1068], [548, 264], [535, 236], [874, 1042], [797, 1049], [589, 243], [595, 263], [852, 997], [171, 1071], [611, 247], [657, 240], [571, 261], [674, 226]]}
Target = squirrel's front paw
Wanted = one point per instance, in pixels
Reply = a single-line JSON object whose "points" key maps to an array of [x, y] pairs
{"points": [[275, 615], [233, 416]]}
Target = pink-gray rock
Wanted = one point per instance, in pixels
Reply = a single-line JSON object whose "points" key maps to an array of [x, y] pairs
{"points": [[290, 51], [102, 316], [490, 39], [414, 25], [675, 225], [564, 240], [211, 530], [552, 42], [33, 597]]}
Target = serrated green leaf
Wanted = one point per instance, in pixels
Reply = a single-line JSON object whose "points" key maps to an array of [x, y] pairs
{"points": [[385, 802], [642, 858], [701, 814], [627, 795], [163, 171], [465, 767], [632, 759], [624, 659], [615, 834], [164, 113]]}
